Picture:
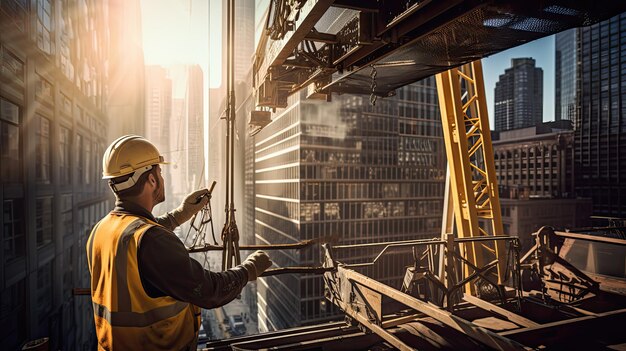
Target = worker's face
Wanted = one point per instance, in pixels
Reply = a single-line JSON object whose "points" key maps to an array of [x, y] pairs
{"points": [[159, 191]]}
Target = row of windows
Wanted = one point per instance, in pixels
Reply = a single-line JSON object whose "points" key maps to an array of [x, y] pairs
{"points": [[524, 165], [552, 175], [329, 211], [370, 190], [14, 224], [371, 173]]}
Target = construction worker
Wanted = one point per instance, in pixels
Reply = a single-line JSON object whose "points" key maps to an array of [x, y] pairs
{"points": [[145, 289]]}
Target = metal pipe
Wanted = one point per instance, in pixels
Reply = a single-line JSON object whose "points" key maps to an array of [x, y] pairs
{"points": [[600, 239], [298, 245], [428, 241], [296, 270]]}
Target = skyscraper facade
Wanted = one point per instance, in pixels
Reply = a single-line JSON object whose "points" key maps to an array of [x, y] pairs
{"points": [[566, 75], [519, 96], [54, 83], [158, 106], [600, 135], [126, 85], [535, 162], [194, 139], [350, 173], [244, 50], [158, 120]]}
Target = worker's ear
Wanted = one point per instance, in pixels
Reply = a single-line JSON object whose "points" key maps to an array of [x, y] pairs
{"points": [[152, 179]]}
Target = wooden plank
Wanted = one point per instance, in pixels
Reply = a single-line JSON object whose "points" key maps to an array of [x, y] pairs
{"points": [[555, 333], [488, 306], [482, 335]]}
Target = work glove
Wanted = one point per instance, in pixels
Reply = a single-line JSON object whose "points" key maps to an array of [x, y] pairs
{"points": [[190, 206], [256, 264]]}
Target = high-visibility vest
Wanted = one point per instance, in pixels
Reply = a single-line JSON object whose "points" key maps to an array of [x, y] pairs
{"points": [[126, 317]]}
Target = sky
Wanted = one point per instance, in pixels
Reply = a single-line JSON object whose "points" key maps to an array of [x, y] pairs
{"points": [[542, 50], [179, 32], [182, 32]]}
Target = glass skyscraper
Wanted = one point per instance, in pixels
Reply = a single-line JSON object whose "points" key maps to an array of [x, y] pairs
{"points": [[566, 75], [348, 172], [600, 136], [519, 96]]}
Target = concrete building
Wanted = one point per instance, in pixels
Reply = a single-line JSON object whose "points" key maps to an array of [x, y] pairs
{"points": [[158, 117], [350, 172], [536, 161], [518, 96], [566, 75], [522, 217], [53, 121], [535, 173], [126, 85], [600, 133]]}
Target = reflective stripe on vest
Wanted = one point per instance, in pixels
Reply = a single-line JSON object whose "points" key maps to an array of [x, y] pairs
{"points": [[137, 319], [125, 316]]}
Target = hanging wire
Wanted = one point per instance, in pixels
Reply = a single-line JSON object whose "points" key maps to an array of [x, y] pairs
{"points": [[373, 96], [198, 231]]}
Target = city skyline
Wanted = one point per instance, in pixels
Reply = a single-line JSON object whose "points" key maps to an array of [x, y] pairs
{"points": [[163, 47]]}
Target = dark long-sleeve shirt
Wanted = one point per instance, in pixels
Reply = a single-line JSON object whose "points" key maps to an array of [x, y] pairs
{"points": [[166, 269]]}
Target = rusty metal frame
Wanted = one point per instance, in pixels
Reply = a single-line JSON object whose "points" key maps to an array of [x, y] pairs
{"points": [[450, 282], [361, 299], [545, 253]]}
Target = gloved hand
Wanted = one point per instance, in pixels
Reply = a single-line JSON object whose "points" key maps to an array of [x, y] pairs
{"points": [[256, 264], [190, 206]]}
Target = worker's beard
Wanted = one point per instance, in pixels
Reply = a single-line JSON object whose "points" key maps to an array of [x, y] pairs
{"points": [[159, 192]]}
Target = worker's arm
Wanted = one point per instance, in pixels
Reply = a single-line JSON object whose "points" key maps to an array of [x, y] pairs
{"points": [[166, 269], [193, 203]]}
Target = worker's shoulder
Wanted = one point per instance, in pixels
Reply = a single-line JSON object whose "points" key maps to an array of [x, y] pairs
{"points": [[159, 233]]}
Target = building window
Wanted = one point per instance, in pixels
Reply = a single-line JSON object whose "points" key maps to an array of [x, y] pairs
{"points": [[43, 151], [44, 25], [13, 229], [43, 220], [44, 291], [65, 146], [43, 89], [68, 272], [67, 227], [66, 106], [87, 159], [10, 148], [13, 316], [11, 65], [81, 158]]}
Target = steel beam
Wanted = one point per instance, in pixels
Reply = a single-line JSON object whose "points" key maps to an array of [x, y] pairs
{"points": [[279, 50], [488, 306], [569, 330], [345, 287], [470, 156]]}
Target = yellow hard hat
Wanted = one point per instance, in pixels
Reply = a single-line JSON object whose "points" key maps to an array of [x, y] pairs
{"points": [[126, 155]]}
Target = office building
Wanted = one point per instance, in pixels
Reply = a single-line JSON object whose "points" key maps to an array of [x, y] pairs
{"points": [[535, 173], [158, 119], [351, 173], [244, 50], [126, 83], [566, 75], [54, 75], [523, 217], [536, 161], [519, 96], [600, 133]]}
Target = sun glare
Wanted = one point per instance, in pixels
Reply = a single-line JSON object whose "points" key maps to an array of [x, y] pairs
{"points": [[177, 32]]}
